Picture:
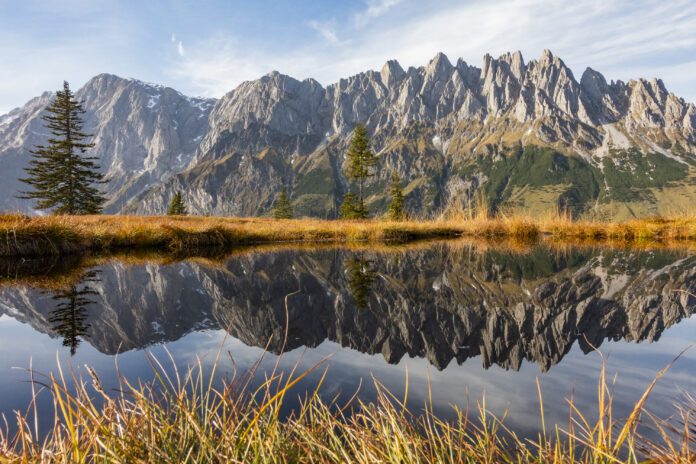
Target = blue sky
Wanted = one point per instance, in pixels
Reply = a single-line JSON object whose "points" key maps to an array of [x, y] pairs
{"points": [[208, 47]]}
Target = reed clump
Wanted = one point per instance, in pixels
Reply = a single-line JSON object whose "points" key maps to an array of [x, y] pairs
{"points": [[194, 416]]}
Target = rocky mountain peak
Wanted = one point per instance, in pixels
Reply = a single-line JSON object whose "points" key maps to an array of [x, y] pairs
{"points": [[547, 57], [391, 73], [500, 82], [593, 82], [146, 133], [539, 102], [439, 66], [658, 88], [556, 87], [103, 81], [515, 64], [651, 105], [550, 71], [464, 68], [143, 133]]}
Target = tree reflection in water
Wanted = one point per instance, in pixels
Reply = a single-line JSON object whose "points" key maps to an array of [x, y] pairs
{"points": [[69, 318], [361, 276]]}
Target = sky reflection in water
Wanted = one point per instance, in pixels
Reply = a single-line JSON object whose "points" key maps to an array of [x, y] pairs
{"points": [[477, 319]]}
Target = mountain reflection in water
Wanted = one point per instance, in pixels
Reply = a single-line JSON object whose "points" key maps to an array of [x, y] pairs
{"points": [[443, 302]]}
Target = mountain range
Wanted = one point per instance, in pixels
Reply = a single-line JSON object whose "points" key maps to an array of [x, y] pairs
{"points": [[528, 135]]}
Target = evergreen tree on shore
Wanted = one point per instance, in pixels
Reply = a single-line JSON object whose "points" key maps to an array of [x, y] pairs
{"points": [[396, 207], [283, 208], [360, 160], [60, 173], [351, 207], [176, 206]]}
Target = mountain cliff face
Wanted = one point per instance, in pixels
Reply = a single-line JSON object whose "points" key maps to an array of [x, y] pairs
{"points": [[143, 133], [529, 135], [441, 303]]}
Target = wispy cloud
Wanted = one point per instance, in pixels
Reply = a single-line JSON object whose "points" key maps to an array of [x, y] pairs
{"points": [[375, 8], [617, 38], [216, 65], [621, 38], [325, 30], [43, 53]]}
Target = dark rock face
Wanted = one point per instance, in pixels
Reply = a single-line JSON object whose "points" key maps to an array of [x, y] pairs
{"points": [[442, 304]]}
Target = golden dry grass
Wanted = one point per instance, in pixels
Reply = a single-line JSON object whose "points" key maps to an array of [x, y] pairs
{"points": [[26, 236], [190, 417], [23, 235]]}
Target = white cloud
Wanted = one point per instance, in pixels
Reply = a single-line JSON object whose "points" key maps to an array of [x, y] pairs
{"points": [[216, 65], [616, 38], [375, 8], [325, 30], [38, 52], [622, 39]]}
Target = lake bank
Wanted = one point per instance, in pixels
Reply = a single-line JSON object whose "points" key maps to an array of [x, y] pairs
{"points": [[22, 235]]}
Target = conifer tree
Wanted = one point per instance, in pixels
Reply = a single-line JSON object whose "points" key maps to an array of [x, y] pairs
{"points": [[61, 174], [360, 160], [283, 208], [176, 206], [351, 207], [396, 207]]}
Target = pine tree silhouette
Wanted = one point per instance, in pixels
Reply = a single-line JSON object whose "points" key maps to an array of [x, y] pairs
{"points": [[283, 208], [396, 207], [176, 206]]}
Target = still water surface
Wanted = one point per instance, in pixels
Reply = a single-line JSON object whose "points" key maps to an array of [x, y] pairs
{"points": [[477, 319]]}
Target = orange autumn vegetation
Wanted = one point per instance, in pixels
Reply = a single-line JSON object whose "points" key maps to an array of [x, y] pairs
{"points": [[22, 235]]}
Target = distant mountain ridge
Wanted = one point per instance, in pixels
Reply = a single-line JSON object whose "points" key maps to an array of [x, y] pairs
{"points": [[143, 134], [528, 135]]}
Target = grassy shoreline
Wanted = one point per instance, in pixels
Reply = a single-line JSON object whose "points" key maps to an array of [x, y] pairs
{"points": [[58, 235]]}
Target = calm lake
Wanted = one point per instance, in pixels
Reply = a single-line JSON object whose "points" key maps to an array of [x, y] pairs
{"points": [[475, 318]]}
